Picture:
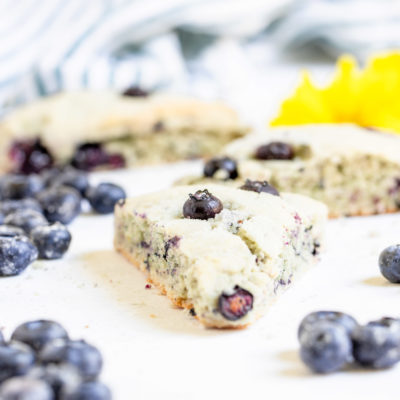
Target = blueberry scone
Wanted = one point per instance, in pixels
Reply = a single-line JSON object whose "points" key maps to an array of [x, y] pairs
{"points": [[353, 170], [110, 130], [224, 253]]}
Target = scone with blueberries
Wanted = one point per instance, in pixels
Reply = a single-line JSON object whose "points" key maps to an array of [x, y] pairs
{"points": [[100, 129], [353, 170], [224, 253]]}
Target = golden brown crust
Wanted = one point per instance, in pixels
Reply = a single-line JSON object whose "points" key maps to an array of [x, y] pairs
{"points": [[179, 302]]}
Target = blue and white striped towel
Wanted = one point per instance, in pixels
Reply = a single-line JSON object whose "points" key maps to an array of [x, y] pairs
{"points": [[200, 46]]}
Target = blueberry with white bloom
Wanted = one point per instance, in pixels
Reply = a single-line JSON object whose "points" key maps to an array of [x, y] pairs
{"points": [[389, 263], [326, 347], [85, 357], [25, 388], [16, 253], [52, 241], [88, 391], [10, 206], [345, 320], [60, 204], [38, 333], [15, 359], [377, 344], [73, 178], [20, 186], [60, 377], [26, 219], [104, 197]]}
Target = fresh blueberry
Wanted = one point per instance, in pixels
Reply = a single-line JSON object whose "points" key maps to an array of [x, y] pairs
{"points": [[377, 344], [2, 340], [10, 206], [52, 241], [389, 263], [11, 231], [326, 347], [38, 333], [89, 156], [30, 156], [135, 91], [60, 204], [88, 391], [16, 187], [73, 178], [104, 197], [16, 253], [15, 359], [50, 175], [60, 377], [202, 205], [86, 358], [258, 186], [225, 166], [2, 217], [275, 151], [236, 305], [26, 219], [25, 388], [337, 317]]}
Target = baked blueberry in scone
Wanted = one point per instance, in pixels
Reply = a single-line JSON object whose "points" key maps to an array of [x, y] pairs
{"points": [[224, 253], [92, 130], [353, 170]]}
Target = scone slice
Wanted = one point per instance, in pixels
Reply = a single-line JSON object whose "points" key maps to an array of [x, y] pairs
{"points": [[229, 269]]}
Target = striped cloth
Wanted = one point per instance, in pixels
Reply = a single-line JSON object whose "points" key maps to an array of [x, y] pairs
{"points": [[199, 46]]}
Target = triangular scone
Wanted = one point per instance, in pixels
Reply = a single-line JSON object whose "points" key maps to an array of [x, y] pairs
{"points": [[141, 130], [353, 170], [250, 252]]}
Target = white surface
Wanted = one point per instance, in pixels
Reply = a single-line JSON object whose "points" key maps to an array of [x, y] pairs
{"points": [[155, 351]]}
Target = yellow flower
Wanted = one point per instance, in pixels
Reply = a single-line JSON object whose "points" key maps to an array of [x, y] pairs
{"points": [[368, 97]]}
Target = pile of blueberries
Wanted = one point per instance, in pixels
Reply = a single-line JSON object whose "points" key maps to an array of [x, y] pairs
{"points": [[35, 209], [331, 340], [41, 362]]}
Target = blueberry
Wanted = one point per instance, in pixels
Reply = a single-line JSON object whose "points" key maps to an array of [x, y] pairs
{"points": [[275, 151], [89, 156], [258, 186], [326, 347], [236, 305], [30, 156], [226, 165], [38, 333], [104, 197], [15, 359], [88, 391], [60, 377], [86, 358], [25, 388], [73, 178], [135, 91], [52, 241], [202, 205], [308, 322], [11, 231], [10, 206], [20, 186], [50, 175], [2, 217], [60, 204], [16, 253], [26, 219], [377, 344], [2, 341], [389, 263]]}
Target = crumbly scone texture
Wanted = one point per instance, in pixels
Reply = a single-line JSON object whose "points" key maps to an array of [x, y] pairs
{"points": [[258, 242], [354, 171], [145, 130]]}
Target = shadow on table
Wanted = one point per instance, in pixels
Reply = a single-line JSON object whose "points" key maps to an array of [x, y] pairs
{"points": [[127, 286]]}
